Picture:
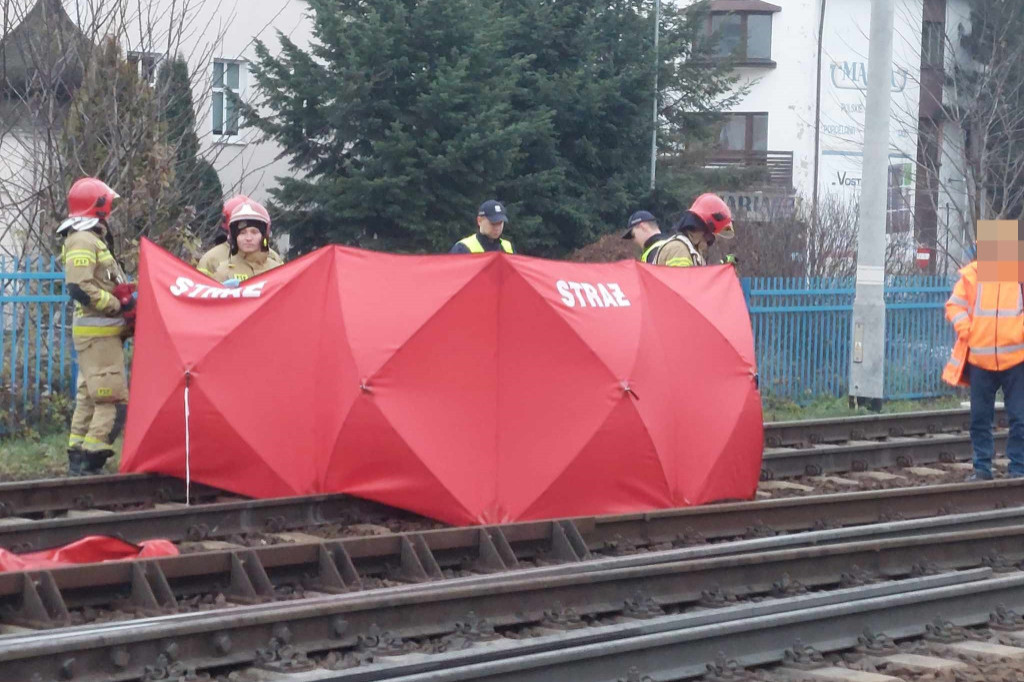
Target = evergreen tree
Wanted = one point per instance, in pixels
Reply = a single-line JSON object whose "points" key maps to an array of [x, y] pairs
{"points": [[404, 115], [197, 181], [114, 131]]}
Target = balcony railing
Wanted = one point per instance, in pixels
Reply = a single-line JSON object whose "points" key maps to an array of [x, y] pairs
{"points": [[778, 165]]}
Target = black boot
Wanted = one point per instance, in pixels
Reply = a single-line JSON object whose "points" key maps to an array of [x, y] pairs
{"points": [[94, 461], [76, 461]]}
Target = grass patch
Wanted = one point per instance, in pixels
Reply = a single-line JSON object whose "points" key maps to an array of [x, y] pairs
{"points": [[41, 456], [45, 456], [784, 410]]}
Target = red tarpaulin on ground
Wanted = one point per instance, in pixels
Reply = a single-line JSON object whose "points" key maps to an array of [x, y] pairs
{"points": [[472, 389], [90, 549]]}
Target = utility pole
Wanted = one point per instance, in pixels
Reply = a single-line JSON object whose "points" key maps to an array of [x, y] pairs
{"points": [[867, 362], [654, 122]]}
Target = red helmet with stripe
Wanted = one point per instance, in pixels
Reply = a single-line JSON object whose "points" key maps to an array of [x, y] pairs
{"points": [[90, 200], [715, 214], [229, 206]]}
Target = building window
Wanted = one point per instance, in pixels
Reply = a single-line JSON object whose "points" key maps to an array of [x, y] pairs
{"points": [[898, 216], [228, 79], [743, 36], [146, 65], [744, 133], [933, 39]]}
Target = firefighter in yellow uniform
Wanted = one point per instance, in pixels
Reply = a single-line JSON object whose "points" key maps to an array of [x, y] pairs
{"points": [[249, 245], [213, 258], [91, 275]]}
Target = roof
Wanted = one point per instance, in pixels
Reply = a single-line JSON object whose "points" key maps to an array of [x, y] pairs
{"points": [[743, 6], [43, 49]]}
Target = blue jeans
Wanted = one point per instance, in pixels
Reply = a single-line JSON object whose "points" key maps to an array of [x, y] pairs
{"points": [[984, 384]]}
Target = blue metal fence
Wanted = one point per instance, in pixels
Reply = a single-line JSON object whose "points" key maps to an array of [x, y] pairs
{"points": [[35, 335], [801, 335]]}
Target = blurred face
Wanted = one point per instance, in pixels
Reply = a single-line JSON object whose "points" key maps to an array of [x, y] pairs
{"points": [[701, 241], [489, 229], [249, 239], [1000, 251]]}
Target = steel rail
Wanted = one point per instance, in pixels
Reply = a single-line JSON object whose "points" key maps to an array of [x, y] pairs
{"points": [[197, 522], [27, 498], [672, 649], [252, 576], [377, 622], [801, 433], [248, 575], [225, 519], [863, 456]]}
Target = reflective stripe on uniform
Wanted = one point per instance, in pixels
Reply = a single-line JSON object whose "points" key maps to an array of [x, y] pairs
{"points": [[92, 444], [79, 258], [96, 331], [99, 322], [997, 312], [474, 245], [958, 317], [992, 350], [956, 300], [97, 326], [75, 440], [682, 262]]}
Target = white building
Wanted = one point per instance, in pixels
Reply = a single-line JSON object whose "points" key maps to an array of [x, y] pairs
{"points": [[218, 39], [812, 120], [221, 50]]}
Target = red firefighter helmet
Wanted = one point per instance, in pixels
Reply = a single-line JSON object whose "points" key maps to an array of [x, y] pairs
{"points": [[249, 213], [715, 214], [229, 206], [90, 200]]}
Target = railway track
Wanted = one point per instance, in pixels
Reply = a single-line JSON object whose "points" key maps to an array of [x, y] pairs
{"points": [[422, 629], [247, 563], [802, 433], [305, 564], [792, 450], [41, 514], [43, 499]]}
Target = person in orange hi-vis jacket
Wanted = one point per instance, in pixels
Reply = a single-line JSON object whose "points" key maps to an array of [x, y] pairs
{"points": [[987, 312]]}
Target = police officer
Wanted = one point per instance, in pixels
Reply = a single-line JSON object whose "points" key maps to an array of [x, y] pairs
{"points": [[248, 245], [91, 276], [490, 221], [213, 258], [657, 248]]}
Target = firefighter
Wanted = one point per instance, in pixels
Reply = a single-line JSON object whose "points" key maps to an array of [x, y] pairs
{"points": [[490, 222], [988, 316], [212, 259], [696, 231], [248, 245], [92, 277]]}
